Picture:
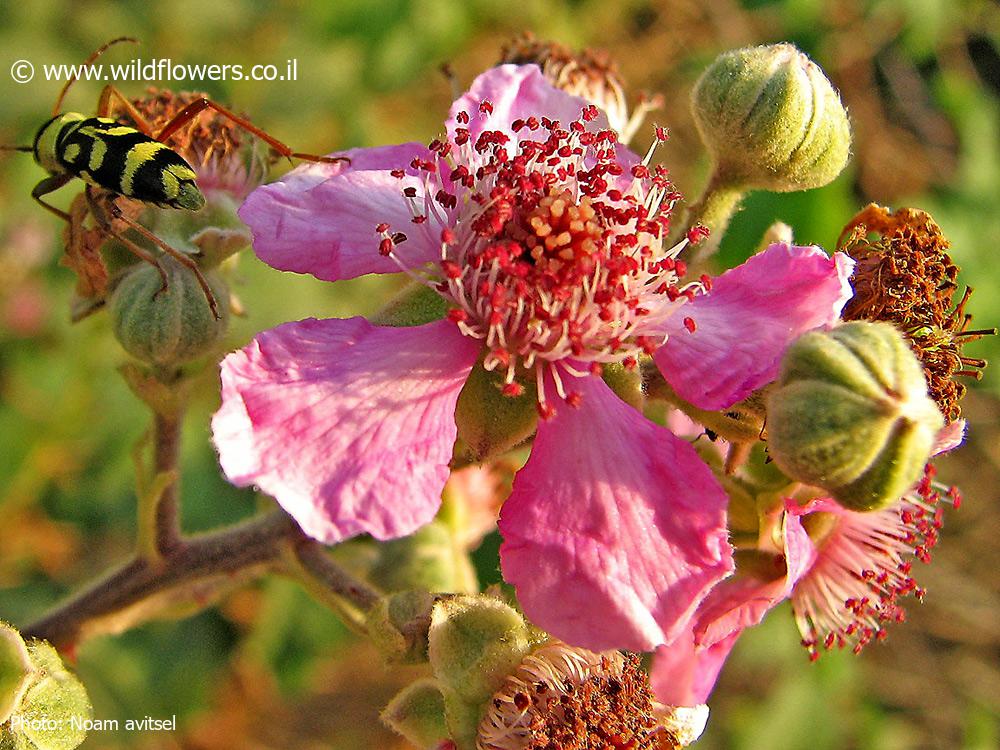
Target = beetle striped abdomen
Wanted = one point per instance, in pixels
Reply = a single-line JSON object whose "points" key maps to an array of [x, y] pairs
{"points": [[119, 158]]}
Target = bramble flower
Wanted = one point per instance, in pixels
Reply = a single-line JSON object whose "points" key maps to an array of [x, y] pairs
{"points": [[845, 572], [543, 238], [864, 565]]}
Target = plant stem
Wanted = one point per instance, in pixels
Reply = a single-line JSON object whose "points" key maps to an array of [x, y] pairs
{"points": [[166, 453], [314, 558], [713, 210], [193, 568], [195, 572]]}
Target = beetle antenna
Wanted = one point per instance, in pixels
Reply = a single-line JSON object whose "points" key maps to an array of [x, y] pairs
{"points": [[94, 55]]}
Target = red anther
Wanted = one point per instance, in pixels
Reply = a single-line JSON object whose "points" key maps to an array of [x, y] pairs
{"points": [[447, 236], [462, 117], [385, 247], [640, 171], [574, 399], [419, 219], [630, 363], [690, 324], [486, 107], [410, 192], [596, 369], [706, 281], [381, 228], [546, 411], [697, 233], [591, 113], [512, 389], [681, 268], [456, 315], [451, 269], [398, 173], [661, 133], [518, 124], [462, 136], [398, 238], [615, 195]]}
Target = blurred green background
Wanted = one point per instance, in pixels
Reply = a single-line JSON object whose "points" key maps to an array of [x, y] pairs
{"points": [[270, 668]]}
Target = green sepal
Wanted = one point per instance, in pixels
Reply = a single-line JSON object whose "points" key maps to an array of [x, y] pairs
{"points": [[418, 713], [398, 625], [15, 670], [490, 423], [414, 305]]}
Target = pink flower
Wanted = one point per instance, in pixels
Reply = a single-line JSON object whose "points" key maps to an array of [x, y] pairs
{"points": [[545, 238], [845, 572]]}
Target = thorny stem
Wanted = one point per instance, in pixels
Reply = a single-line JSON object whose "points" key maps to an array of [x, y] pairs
{"points": [[191, 575]]}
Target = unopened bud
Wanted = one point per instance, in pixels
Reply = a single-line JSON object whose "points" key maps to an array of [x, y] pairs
{"points": [[850, 413], [771, 120], [475, 642], [417, 713], [168, 325]]}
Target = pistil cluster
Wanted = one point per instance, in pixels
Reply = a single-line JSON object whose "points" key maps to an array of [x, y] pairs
{"points": [[551, 246]]}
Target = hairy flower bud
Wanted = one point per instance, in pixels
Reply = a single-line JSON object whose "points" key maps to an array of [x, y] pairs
{"points": [[850, 413], [771, 120], [474, 643], [15, 670], [172, 325], [417, 713]]}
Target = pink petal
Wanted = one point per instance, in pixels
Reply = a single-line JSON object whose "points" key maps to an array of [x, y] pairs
{"points": [[745, 323], [320, 219], [950, 437], [743, 600], [349, 426], [516, 92], [684, 674], [615, 530]]}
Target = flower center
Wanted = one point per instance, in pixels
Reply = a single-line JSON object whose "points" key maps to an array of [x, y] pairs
{"points": [[551, 246], [571, 698]]}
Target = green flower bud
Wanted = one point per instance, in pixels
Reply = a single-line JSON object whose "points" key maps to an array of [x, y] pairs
{"points": [[417, 713], [398, 626], [429, 559], [489, 422], [15, 670], [168, 326], [474, 643], [771, 120], [850, 413]]}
